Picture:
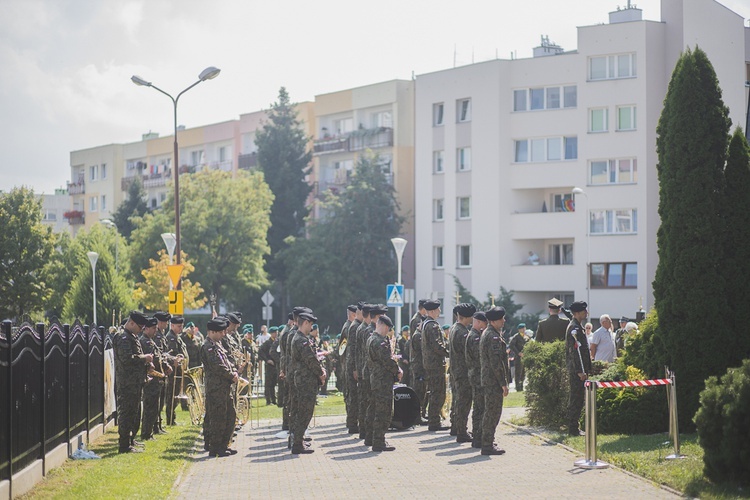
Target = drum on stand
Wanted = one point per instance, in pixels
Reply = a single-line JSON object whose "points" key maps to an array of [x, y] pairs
{"points": [[406, 407]]}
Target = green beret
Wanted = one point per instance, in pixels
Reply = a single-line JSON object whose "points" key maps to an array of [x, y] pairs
{"points": [[405, 328], [273, 329], [446, 327]]}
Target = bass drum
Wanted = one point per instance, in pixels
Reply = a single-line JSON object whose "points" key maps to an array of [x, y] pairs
{"points": [[406, 407]]}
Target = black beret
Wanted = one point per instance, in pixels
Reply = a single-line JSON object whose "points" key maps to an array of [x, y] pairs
{"points": [[360, 305], [480, 316], [151, 322], [290, 316], [299, 309], [578, 306], [232, 317], [495, 313], [421, 302], [351, 308], [217, 324], [162, 316], [238, 314], [386, 321], [177, 320], [367, 308], [138, 318], [307, 316], [379, 309], [466, 310], [431, 305]]}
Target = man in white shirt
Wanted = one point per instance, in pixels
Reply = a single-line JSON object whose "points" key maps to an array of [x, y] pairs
{"points": [[602, 345], [264, 335]]}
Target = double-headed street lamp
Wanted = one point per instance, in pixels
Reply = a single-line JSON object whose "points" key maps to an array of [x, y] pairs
{"points": [[577, 191], [207, 74]]}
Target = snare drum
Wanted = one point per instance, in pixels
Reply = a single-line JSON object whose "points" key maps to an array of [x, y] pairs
{"points": [[406, 407]]}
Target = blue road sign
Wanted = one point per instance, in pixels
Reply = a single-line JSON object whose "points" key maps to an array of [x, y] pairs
{"points": [[394, 295]]}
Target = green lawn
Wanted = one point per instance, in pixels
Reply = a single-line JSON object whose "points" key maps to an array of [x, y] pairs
{"points": [[515, 400], [333, 404]]}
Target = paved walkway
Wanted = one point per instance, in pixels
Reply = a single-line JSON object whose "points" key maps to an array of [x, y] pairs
{"points": [[424, 465]]}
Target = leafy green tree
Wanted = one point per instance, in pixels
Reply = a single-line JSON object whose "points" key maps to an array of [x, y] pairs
{"points": [[25, 246], [134, 205], [504, 298], [285, 160], [224, 222], [152, 293], [60, 270], [690, 282], [349, 255]]}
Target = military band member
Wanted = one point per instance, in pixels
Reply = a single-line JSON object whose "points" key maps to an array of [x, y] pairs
{"points": [[418, 377], [494, 370], [554, 327], [434, 352], [384, 371], [193, 344], [162, 328], [308, 375], [365, 395], [358, 341], [157, 375], [270, 357], [404, 348], [350, 366], [130, 374], [578, 361], [175, 348], [284, 384], [351, 315], [460, 371], [474, 370]]}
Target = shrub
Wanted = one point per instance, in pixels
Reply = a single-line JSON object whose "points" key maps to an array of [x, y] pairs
{"points": [[642, 348], [547, 387], [722, 424]]}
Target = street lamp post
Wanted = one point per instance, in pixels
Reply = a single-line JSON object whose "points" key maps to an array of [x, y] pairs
{"points": [[747, 115], [112, 225], [207, 74], [576, 191], [93, 257], [399, 244], [170, 240]]}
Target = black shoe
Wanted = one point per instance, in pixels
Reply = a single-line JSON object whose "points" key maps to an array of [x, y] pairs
{"points": [[454, 432], [434, 428], [302, 450], [384, 447], [231, 451], [206, 447], [492, 451], [464, 438], [361, 435], [476, 444], [161, 431], [129, 449], [353, 430], [368, 442], [222, 453]]}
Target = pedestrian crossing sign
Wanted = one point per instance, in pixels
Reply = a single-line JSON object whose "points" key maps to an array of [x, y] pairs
{"points": [[394, 295]]}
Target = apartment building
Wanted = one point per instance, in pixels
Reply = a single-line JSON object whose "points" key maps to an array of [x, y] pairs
{"points": [[378, 118], [503, 145], [54, 208]]}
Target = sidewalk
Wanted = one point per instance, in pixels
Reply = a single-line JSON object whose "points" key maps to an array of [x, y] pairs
{"points": [[424, 465]]}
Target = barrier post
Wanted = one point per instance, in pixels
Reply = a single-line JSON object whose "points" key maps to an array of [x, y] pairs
{"points": [[590, 461], [674, 429]]}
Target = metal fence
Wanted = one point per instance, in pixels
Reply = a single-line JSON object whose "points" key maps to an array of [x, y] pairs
{"points": [[51, 388]]}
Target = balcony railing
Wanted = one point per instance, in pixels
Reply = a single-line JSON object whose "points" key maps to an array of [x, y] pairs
{"points": [[248, 161], [331, 145], [378, 137], [74, 217], [76, 187], [148, 181]]}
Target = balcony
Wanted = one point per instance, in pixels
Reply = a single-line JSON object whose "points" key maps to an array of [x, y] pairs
{"points": [[76, 187], [148, 181], [248, 161], [224, 165], [358, 140], [75, 217], [544, 225], [331, 145], [524, 278]]}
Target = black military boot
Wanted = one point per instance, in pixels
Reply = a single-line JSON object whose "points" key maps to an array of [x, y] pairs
{"points": [[464, 438], [383, 447], [301, 450], [493, 451]]}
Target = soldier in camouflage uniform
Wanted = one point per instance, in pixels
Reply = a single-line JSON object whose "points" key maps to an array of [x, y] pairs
{"points": [[350, 366], [341, 375], [176, 348], [162, 327], [516, 345], [130, 374], [284, 383], [193, 344], [460, 371], [359, 338], [220, 376], [474, 369], [418, 379], [434, 352], [384, 371], [156, 380], [578, 361], [376, 311], [404, 348], [308, 375], [495, 372], [291, 366], [269, 355]]}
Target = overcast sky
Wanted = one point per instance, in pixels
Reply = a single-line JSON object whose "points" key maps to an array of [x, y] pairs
{"points": [[65, 65]]}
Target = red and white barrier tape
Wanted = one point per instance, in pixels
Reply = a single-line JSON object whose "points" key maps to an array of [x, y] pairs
{"points": [[635, 383]]}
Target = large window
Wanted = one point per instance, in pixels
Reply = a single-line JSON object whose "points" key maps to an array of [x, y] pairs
{"points": [[463, 110], [93, 172], [598, 120], [437, 256], [546, 149], [463, 159], [571, 96], [614, 66], [545, 98], [464, 255], [437, 210], [437, 114], [437, 162], [563, 203], [93, 204], [614, 275], [620, 171], [343, 126], [561, 254], [103, 171], [463, 207], [626, 118], [623, 221]]}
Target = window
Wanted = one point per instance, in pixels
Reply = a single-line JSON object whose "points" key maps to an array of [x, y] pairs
{"points": [[613, 221], [222, 153], [570, 94], [104, 202], [92, 204], [463, 208], [537, 98], [598, 118], [437, 255], [343, 126], [519, 100], [437, 162], [463, 159], [561, 254], [383, 119], [553, 97], [50, 216], [626, 118], [546, 149], [464, 110], [93, 172], [464, 256], [545, 98], [196, 158], [610, 67], [437, 209], [437, 114], [621, 171], [563, 203], [103, 170], [614, 275]]}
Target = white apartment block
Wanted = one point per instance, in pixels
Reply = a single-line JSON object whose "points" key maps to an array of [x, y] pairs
{"points": [[501, 145], [54, 207]]}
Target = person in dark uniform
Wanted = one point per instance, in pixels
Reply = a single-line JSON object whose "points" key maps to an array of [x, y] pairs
{"points": [[177, 349], [404, 348], [130, 374], [474, 369], [620, 335], [157, 378], [358, 339], [418, 377], [554, 327], [162, 327], [308, 375], [220, 413], [460, 371], [350, 366], [516, 345], [291, 362], [376, 311], [434, 352], [578, 360], [270, 357], [494, 373], [384, 371], [341, 379], [284, 383], [193, 345]]}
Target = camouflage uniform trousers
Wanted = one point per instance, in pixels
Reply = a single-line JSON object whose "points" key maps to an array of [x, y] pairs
{"points": [[452, 413], [436, 382], [419, 385], [575, 401], [381, 409], [151, 392], [128, 412], [220, 416], [270, 384], [352, 401], [477, 413], [461, 404], [306, 392], [162, 401], [282, 393], [493, 409], [520, 374], [364, 401], [286, 421]]}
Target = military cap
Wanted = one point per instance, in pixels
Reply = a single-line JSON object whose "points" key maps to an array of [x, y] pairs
{"points": [[455, 310], [162, 316], [217, 324], [422, 302], [351, 308], [151, 322], [315, 326], [273, 329], [624, 320], [465, 309], [554, 303], [578, 306], [177, 320], [495, 313], [189, 324], [405, 328], [521, 325], [446, 326], [138, 318], [307, 316], [299, 309], [233, 318], [386, 321], [431, 305], [480, 316], [325, 338], [238, 314]]}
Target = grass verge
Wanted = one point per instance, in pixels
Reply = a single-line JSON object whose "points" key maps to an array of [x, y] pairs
{"points": [[150, 474], [333, 404], [515, 400]]}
